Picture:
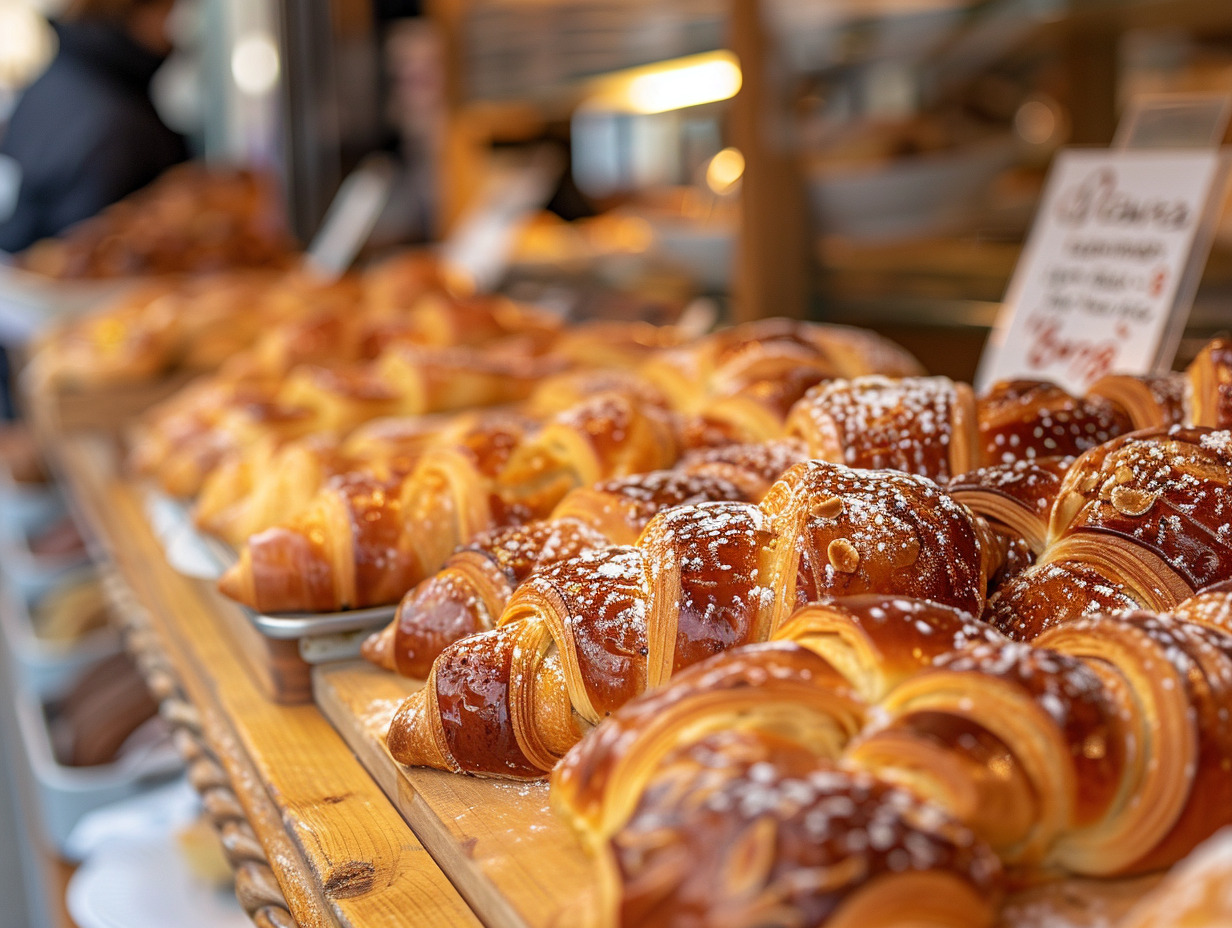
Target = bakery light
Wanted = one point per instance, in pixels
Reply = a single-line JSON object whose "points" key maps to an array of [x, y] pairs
{"points": [[679, 85], [668, 85], [254, 64], [724, 171]]}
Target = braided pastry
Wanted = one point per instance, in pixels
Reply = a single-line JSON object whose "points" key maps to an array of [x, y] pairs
{"points": [[583, 637], [471, 590], [1103, 750]]}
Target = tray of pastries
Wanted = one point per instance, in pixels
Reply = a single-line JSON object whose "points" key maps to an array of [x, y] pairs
{"points": [[343, 458], [963, 661]]}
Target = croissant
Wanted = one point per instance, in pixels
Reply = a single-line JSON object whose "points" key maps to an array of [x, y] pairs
{"points": [[1210, 385], [772, 361], [583, 637], [331, 370], [829, 661], [1102, 750], [937, 428], [608, 435], [1017, 498], [1148, 400], [272, 481], [471, 590], [746, 831], [368, 538], [1139, 522], [717, 794]]}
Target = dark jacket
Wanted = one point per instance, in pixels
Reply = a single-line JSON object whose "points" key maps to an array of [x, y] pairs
{"points": [[85, 133]]}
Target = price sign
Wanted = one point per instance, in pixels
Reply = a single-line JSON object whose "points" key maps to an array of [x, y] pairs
{"points": [[1110, 268]]}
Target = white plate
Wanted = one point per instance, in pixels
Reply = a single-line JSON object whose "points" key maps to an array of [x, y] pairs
{"points": [[135, 876]]}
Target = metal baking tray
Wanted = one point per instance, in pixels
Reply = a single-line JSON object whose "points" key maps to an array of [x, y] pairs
{"points": [[196, 554]]}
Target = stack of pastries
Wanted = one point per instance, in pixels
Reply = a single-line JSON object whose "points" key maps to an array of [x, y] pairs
{"points": [[192, 219], [346, 458], [959, 646], [198, 323]]}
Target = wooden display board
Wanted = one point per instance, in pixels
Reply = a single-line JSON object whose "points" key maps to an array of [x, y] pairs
{"points": [[508, 854], [520, 866]]}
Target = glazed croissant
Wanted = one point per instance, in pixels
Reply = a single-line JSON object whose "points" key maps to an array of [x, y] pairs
{"points": [[718, 797], [368, 537], [471, 590], [272, 481], [1101, 751], [937, 428], [1202, 395], [184, 440], [940, 429], [583, 637], [924, 425], [1139, 522]]}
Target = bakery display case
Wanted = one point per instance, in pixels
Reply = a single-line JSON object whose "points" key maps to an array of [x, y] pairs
{"points": [[458, 598]]}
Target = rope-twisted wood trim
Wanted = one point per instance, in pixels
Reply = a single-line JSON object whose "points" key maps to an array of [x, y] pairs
{"points": [[256, 887]]}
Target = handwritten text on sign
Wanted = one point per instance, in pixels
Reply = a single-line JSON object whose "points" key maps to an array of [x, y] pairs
{"points": [[1096, 288]]}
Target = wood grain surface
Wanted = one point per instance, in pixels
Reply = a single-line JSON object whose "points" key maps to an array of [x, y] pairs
{"points": [[518, 864]]}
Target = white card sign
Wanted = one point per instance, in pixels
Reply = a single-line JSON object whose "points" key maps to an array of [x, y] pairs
{"points": [[1110, 268]]}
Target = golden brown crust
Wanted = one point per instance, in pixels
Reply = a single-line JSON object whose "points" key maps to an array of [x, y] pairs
{"points": [[1177, 675], [1210, 606], [877, 641], [1210, 385], [1015, 498], [725, 833], [779, 685], [878, 532], [1025, 419], [1141, 521], [1148, 400], [473, 587], [1047, 595], [921, 425], [711, 577]]}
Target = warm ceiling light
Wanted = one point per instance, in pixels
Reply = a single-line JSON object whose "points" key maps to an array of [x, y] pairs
{"points": [[669, 85], [680, 86]]}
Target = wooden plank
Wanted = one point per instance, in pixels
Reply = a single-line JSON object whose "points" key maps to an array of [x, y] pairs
{"points": [[509, 855], [342, 855]]}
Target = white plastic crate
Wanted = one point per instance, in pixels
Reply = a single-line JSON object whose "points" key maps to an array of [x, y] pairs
{"points": [[65, 794], [27, 507], [33, 575], [46, 668]]}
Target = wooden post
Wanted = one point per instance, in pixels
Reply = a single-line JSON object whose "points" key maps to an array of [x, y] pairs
{"points": [[773, 266], [1091, 62]]}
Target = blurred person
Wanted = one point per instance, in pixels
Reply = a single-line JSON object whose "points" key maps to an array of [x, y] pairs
{"points": [[86, 133]]}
